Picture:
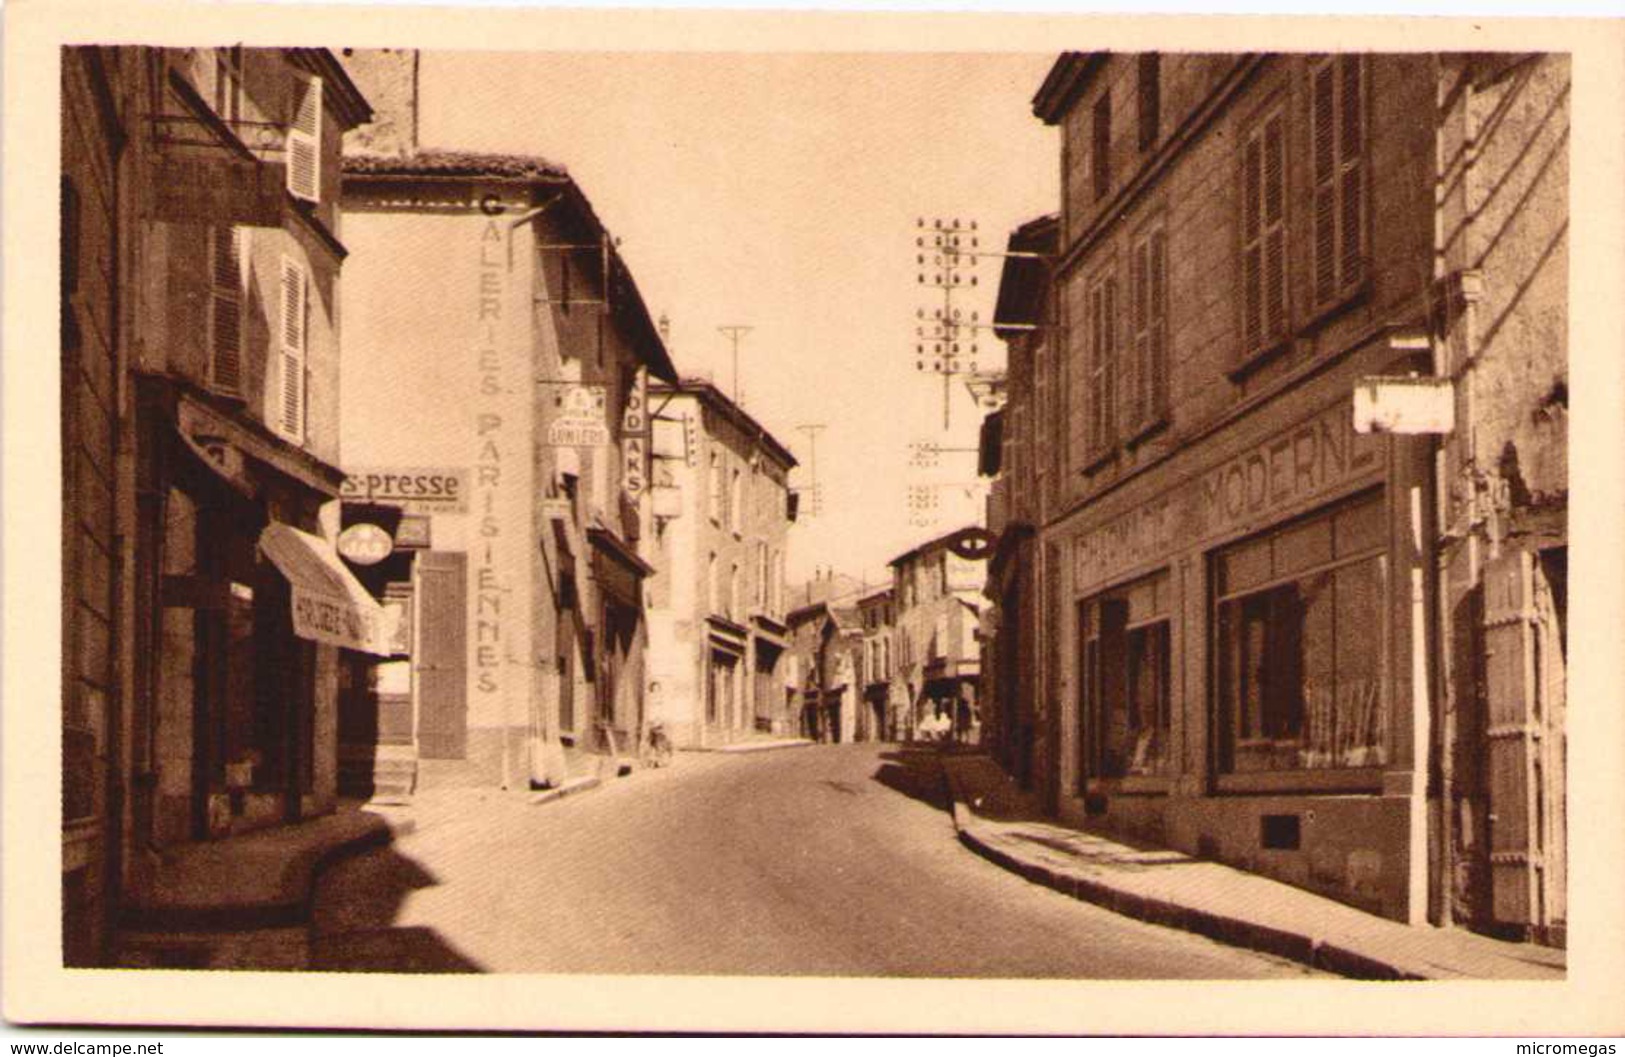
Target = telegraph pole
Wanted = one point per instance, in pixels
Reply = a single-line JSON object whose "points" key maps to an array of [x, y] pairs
{"points": [[733, 332], [945, 256], [812, 430]]}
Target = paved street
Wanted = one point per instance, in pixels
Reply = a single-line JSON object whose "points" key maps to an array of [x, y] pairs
{"points": [[830, 860]]}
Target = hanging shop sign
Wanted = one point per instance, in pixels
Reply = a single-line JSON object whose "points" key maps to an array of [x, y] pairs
{"points": [[365, 544], [578, 417], [217, 188], [1404, 405], [973, 544], [415, 489]]}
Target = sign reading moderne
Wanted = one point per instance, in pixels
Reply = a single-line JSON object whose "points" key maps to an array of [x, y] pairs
{"points": [[1279, 476]]}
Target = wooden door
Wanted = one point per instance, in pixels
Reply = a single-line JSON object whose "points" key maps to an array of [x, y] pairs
{"points": [[440, 666], [1524, 685]]}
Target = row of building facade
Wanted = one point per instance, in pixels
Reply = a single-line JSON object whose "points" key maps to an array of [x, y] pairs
{"points": [[1280, 505], [484, 533], [897, 663]]}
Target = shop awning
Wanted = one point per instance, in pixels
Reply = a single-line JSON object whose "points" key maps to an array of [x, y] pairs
{"points": [[329, 604]]}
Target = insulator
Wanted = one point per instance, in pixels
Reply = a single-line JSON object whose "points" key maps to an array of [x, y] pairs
{"points": [[973, 225], [922, 279], [973, 280]]}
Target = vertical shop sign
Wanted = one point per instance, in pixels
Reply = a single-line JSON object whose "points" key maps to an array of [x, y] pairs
{"points": [[488, 645], [635, 437]]}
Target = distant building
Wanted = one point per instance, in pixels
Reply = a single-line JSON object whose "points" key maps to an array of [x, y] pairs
{"points": [[938, 597], [877, 718], [824, 690], [205, 611], [721, 518], [1330, 655], [496, 436]]}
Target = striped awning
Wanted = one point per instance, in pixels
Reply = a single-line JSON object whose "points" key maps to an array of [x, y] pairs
{"points": [[329, 604]]}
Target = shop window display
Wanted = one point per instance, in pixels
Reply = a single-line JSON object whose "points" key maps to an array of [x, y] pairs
{"points": [[1299, 646]]}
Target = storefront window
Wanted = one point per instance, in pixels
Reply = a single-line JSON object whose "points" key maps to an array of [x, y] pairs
{"points": [[1126, 703], [1299, 639]]}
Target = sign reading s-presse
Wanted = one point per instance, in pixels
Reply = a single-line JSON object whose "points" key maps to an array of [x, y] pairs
{"points": [[414, 489]]}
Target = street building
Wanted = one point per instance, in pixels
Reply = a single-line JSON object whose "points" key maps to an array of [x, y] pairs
{"points": [[1018, 720], [496, 436], [721, 519], [1295, 471], [877, 718], [825, 640], [938, 599], [205, 611]]}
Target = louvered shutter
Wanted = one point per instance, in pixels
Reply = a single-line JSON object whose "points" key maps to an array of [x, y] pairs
{"points": [[1109, 364], [225, 311], [1158, 363], [1322, 117], [289, 412], [1274, 206], [1136, 369], [1351, 143], [1252, 252], [305, 142]]}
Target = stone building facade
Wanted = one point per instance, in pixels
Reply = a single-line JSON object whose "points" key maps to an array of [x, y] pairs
{"points": [[496, 338], [205, 609], [721, 519], [1270, 638], [938, 599]]}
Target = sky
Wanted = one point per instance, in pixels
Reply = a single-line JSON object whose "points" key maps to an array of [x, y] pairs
{"points": [[782, 192]]}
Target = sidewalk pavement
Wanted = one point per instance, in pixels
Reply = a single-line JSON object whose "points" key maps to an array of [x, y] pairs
{"points": [[753, 745], [1001, 823], [243, 903]]}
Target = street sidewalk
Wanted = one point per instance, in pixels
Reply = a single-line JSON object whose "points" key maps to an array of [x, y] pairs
{"points": [[752, 745], [1002, 824]]}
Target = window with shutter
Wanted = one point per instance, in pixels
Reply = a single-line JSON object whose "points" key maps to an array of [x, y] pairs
{"points": [[305, 142], [226, 310], [1263, 236], [1336, 91], [1146, 378], [1150, 98], [1102, 377], [1101, 155], [288, 414]]}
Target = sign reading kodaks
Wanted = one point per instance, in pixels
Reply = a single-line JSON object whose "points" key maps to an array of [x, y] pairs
{"points": [[415, 489]]}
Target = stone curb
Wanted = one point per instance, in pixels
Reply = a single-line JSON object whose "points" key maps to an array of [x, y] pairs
{"points": [[765, 746], [569, 788], [1223, 928]]}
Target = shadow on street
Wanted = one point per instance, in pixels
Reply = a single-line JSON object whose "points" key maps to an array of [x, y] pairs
{"points": [[353, 930], [914, 772]]}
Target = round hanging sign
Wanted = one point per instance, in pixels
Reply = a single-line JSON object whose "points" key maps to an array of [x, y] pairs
{"points": [[365, 544], [972, 544]]}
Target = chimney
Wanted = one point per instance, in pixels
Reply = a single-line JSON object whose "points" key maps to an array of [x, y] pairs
{"points": [[388, 77]]}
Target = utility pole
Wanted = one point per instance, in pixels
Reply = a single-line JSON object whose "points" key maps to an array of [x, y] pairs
{"points": [[945, 256], [733, 332], [812, 430]]}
